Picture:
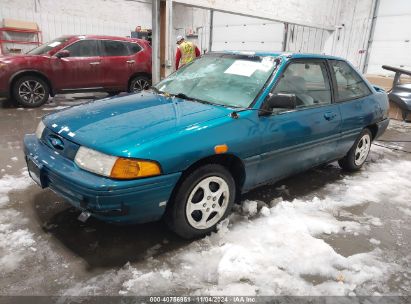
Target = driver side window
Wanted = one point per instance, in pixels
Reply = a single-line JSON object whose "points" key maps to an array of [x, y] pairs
{"points": [[308, 81]]}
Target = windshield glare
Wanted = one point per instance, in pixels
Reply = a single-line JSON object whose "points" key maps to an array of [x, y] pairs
{"points": [[229, 80], [44, 48]]}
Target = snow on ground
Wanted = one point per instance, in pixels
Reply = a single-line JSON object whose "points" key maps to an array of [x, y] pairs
{"points": [[55, 108], [15, 240], [279, 249]]}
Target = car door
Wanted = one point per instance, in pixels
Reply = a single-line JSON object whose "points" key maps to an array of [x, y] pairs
{"points": [[81, 70], [118, 62], [351, 95], [294, 140]]}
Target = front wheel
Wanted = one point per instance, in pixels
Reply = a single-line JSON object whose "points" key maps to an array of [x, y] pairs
{"points": [[31, 91], [358, 153], [203, 199], [138, 84]]}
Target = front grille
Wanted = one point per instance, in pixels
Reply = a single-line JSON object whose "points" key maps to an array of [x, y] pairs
{"points": [[59, 144]]}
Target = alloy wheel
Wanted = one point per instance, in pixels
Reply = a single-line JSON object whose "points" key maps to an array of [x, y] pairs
{"points": [[207, 202], [362, 150], [140, 85], [32, 91]]}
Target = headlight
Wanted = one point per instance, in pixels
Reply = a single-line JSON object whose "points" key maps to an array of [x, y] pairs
{"points": [[114, 167], [40, 129]]}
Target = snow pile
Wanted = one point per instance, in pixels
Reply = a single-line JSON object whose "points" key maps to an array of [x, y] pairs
{"points": [[277, 249], [15, 241], [9, 183]]}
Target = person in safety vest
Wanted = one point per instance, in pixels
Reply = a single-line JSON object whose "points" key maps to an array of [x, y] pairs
{"points": [[186, 51]]}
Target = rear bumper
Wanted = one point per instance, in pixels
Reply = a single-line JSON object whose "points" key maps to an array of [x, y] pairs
{"points": [[131, 201], [381, 127]]}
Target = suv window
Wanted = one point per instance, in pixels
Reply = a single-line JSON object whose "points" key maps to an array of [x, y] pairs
{"points": [[83, 48], [133, 47], [115, 48], [308, 81], [349, 84]]}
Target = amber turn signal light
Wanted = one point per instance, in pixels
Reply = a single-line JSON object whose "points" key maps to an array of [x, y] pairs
{"points": [[125, 168], [220, 149]]}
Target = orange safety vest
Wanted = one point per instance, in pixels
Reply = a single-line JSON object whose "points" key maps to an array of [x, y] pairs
{"points": [[188, 52]]}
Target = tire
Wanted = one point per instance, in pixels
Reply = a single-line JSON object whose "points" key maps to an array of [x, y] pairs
{"points": [[358, 153], [191, 204], [138, 84], [30, 91]]}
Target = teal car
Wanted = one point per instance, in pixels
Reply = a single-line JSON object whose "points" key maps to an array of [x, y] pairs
{"points": [[188, 148]]}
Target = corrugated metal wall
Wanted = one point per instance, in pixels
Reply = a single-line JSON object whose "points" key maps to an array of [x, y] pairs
{"points": [[304, 39]]}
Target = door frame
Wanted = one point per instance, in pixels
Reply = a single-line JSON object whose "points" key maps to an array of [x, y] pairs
{"points": [[329, 78]]}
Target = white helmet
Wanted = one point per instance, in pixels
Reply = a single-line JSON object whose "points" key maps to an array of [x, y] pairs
{"points": [[179, 38]]}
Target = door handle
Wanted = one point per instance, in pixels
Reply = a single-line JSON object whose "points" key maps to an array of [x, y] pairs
{"points": [[330, 115], [131, 61], [94, 63]]}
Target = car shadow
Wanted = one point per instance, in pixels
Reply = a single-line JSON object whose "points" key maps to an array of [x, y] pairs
{"points": [[305, 183], [103, 244], [6, 103]]}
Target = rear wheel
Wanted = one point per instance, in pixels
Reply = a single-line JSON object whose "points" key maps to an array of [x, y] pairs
{"points": [[358, 153], [31, 91], [139, 83], [203, 199]]}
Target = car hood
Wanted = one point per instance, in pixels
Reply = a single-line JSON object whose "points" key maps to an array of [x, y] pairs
{"points": [[115, 125]]}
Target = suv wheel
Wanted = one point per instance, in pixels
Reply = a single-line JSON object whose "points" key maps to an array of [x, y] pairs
{"points": [[203, 199], [30, 91], [139, 83], [358, 153]]}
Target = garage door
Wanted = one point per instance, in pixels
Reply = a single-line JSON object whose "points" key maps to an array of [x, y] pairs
{"points": [[234, 32], [392, 37]]}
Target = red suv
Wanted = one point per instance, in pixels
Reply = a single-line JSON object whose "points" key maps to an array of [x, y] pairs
{"points": [[76, 64]]}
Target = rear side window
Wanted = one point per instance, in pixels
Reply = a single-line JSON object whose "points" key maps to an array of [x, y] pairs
{"points": [[133, 48], [115, 48], [83, 48], [308, 81], [350, 85]]}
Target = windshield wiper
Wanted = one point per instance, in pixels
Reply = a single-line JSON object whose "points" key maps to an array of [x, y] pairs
{"points": [[184, 96]]}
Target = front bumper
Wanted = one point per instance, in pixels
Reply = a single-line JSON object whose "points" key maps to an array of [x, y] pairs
{"points": [[131, 201]]}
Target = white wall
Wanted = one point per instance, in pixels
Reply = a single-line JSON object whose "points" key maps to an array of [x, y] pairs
{"points": [[349, 40], [317, 13], [392, 37], [56, 18]]}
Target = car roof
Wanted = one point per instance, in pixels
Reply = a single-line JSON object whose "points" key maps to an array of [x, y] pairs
{"points": [[285, 54], [103, 37]]}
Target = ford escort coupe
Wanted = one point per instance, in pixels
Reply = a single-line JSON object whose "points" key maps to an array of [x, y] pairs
{"points": [[188, 148]]}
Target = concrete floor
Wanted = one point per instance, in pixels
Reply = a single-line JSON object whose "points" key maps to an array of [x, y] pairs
{"points": [[45, 250]]}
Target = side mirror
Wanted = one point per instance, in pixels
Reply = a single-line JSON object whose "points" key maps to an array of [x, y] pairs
{"points": [[280, 101], [63, 54]]}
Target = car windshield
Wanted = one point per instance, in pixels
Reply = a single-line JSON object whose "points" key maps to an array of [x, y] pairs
{"points": [[224, 79], [44, 48]]}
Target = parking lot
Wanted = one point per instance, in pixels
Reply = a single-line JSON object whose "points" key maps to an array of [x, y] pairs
{"points": [[320, 232]]}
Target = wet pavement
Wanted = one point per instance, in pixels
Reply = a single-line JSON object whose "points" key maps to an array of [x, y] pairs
{"points": [[45, 250]]}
